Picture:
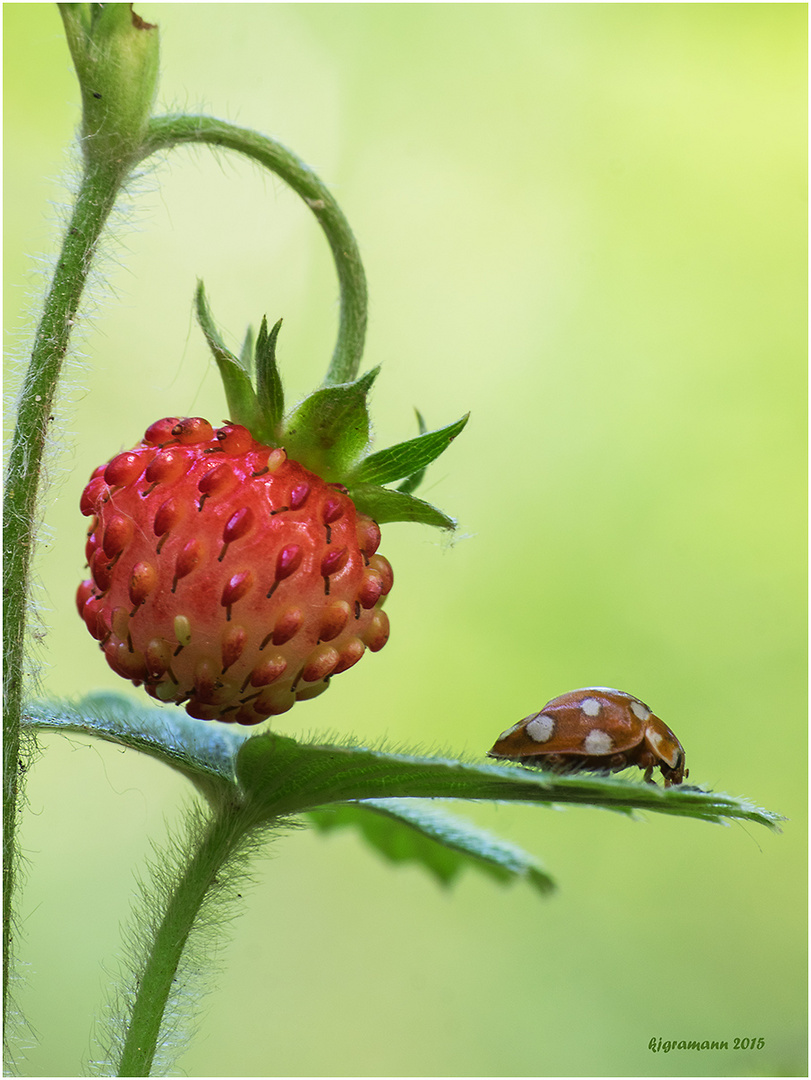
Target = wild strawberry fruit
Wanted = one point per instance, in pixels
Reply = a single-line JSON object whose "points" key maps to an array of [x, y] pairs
{"points": [[226, 576]]}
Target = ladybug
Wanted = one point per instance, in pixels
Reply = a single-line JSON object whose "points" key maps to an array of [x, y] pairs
{"points": [[594, 728]]}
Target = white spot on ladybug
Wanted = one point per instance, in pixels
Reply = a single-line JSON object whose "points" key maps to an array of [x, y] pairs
{"points": [[590, 706], [656, 740], [640, 711], [541, 727], [506, 734], [598, 742]]}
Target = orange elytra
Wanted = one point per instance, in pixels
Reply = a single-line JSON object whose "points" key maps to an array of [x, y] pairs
{"points": [[596, 729]]}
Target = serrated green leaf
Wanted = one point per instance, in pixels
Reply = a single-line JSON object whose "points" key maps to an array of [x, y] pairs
{"points": [[205, 753], [404, 459], [282, 776], [443, 844], [289, 777], [268, 381], [243, 404], [413, 482], [329, 430], [386, 505]]}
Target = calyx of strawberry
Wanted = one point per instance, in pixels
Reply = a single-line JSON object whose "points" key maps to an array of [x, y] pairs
{"points": [[329, 432]]}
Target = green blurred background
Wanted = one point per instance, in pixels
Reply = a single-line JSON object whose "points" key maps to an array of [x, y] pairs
{"points": [[586, 224]]}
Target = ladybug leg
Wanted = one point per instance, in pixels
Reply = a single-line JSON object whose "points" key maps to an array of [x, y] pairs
{"points": [[645, 760]]}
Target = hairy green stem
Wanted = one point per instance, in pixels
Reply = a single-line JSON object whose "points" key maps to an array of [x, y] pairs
{"points": [[167, 131], [99, 188], [220, 844]]}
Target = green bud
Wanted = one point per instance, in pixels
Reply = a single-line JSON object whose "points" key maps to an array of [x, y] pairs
{"points": [[116, 57]]}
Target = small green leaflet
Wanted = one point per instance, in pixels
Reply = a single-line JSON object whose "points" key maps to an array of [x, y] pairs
{"points": [[403, 830]]}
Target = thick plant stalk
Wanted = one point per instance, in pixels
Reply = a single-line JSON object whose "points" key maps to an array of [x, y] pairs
{"points": [[97, 194]]}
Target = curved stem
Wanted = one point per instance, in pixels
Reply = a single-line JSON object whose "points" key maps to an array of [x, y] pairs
{"points": [[220, 843], [97, 194], [167, 131]]}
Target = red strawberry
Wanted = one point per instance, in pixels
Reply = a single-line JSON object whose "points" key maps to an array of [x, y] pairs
{"points": [[225, 575], [229, 577]]}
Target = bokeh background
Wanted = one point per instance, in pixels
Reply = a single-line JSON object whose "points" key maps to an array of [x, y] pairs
{"points": [[586, 224]]}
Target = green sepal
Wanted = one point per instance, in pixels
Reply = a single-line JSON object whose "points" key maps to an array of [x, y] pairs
{"points": [[243, 404], [414, 481], [246, 352], [387, 504], [269, 389], [404, 459], [330, 429], [406, 831]]}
